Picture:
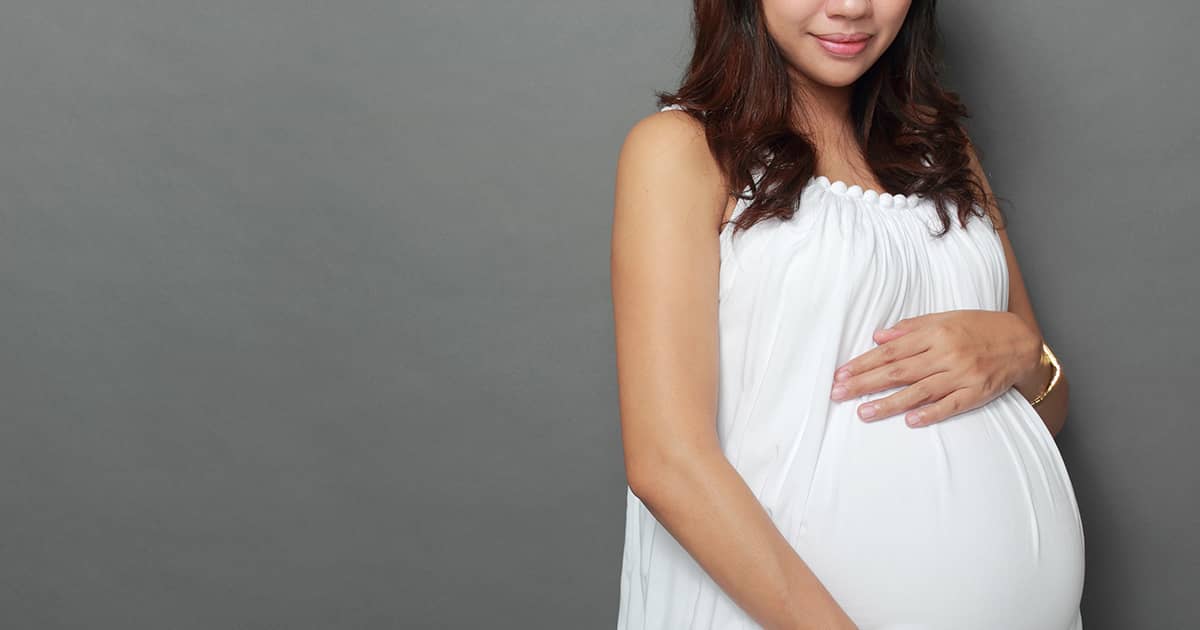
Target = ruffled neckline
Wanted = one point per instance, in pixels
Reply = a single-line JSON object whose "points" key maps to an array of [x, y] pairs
{"points": [[867, 195]]}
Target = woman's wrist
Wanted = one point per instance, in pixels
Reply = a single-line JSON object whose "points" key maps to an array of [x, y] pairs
{"points": [[1037, 376], [1036, 380], [1042, 378]]}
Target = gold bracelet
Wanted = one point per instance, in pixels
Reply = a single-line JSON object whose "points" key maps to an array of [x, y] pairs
{"points": [[1048, 355]]}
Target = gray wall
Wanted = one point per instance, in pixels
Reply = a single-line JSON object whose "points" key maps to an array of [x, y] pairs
{"points": [[305, 318]]}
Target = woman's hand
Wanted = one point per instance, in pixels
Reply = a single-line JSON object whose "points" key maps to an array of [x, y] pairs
{"points": [[952, 361]]}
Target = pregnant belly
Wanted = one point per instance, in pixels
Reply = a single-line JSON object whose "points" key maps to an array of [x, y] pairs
{"points": [[968, 523]]}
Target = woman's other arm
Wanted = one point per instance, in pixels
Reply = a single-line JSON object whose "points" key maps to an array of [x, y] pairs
{"points": [[670, 199], [1053, 408]]}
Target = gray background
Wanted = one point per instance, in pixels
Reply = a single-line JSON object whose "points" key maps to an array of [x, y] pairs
{"points": [[305, 316]]}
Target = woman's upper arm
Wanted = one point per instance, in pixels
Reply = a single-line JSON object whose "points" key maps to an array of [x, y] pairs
{"points": [[665, 266], [1018, 296]]}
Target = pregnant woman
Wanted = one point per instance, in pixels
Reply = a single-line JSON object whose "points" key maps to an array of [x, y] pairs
{"points": [[837, 407]]}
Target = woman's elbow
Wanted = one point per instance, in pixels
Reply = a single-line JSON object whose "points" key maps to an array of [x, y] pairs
{"points": [[658, 472]]}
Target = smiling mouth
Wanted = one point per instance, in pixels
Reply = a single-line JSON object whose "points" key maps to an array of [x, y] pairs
{"points": [[843, 45]]}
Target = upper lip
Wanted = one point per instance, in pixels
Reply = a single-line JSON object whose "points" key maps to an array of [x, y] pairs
{"points": [[845, 37]]}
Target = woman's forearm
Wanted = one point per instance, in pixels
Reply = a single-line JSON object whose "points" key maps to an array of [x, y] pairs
{"points": [[706, 505]]}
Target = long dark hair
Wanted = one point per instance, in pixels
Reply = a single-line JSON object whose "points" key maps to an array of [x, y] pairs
{"points": [[906, 123]]}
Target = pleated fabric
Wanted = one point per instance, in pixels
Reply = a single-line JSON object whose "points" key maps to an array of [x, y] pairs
{"points": [[966, 524]]}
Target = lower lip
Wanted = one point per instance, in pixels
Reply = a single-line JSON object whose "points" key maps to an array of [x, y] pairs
{"points": [[843, 49]]}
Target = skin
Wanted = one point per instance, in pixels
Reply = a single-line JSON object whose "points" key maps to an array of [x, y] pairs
{"points": [[665, 264], [670, 201], [951, 362], [957, 360]]}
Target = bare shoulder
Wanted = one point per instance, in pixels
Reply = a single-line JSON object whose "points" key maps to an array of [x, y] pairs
{"points": [[977, 168], [665, 158], [671, 131], [665, 268]]}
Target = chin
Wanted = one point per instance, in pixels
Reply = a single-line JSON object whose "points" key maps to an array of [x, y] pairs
{"points": [[832, 78], [842, 81]]}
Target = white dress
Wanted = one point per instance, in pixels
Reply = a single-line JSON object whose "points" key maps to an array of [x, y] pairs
{"points": [[966, 524]]}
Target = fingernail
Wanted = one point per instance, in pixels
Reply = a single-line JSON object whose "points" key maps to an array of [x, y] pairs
{"points": [[838, 392], [912, 418], [866, 411], [841, 374]]}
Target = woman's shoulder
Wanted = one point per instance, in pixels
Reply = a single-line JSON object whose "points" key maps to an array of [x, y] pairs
{"points": [[670, 146], [671, 129], [666, 163]]}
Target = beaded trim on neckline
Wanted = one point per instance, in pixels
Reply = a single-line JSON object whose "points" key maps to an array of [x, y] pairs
{"points": [[869, 195]]}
